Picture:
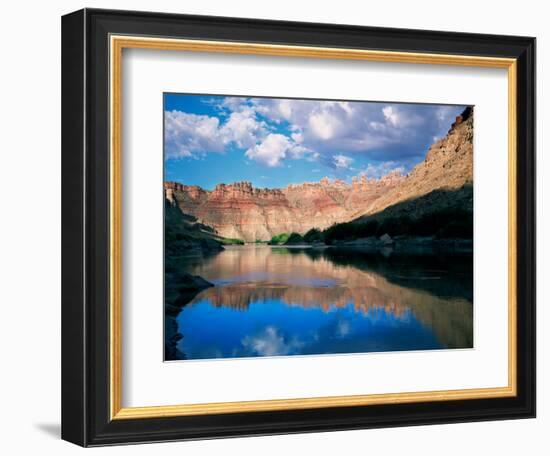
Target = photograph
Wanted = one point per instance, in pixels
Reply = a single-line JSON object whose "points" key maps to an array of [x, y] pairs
{"points": [[316, 227], [270, 226]]}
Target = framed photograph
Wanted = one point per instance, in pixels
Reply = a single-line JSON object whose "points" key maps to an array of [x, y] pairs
{"points": [[278, 227]]}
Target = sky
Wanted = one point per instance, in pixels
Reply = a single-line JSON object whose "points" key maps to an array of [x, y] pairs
{"points": [[273, 142]]}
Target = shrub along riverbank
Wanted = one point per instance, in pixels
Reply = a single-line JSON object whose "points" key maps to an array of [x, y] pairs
{"points": [[444, 224]]}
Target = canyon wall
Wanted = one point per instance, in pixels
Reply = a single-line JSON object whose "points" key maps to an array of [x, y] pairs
{"points": [[241, 211]]}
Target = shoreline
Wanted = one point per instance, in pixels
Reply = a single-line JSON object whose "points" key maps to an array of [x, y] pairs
{"points": [[398, 244]]}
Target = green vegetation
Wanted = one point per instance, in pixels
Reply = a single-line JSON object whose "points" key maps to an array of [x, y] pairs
{"points": [[286, 239], [442, 224], [350, 231], [446, 223], [294, 238], [231, 241], [279, 239], [313, 236]]}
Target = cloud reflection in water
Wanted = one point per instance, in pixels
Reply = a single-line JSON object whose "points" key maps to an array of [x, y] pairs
{"points": [[277, 304]]}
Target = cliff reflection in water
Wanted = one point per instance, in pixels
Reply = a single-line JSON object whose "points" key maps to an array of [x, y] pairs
{"points": [[278, 301]]}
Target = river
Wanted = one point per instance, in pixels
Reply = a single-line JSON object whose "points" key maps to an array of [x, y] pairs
{"points": [[278, 301]]}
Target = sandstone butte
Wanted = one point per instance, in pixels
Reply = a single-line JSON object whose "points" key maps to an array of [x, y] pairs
{"points": [[241, 211]]}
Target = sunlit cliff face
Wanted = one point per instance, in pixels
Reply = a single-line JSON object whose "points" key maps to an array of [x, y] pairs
{"points": [[306, 279]]}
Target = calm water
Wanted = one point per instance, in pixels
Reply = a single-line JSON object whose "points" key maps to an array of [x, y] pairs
{"points": [[270, 301]]}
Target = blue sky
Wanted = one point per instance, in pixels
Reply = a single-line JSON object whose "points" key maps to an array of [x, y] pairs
{"points": [[273, 142]]}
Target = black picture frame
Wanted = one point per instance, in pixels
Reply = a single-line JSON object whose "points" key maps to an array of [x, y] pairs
{"points": [[85, 224]]}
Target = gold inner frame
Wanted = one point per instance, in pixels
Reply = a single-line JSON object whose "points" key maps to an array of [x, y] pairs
{"points": [[117, 44]]}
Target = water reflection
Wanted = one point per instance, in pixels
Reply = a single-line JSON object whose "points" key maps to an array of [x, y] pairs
{"points": [[277, 301]]}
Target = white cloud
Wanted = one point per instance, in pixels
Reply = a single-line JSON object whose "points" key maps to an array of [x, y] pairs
{"points": [[189, 135], [243, 128], [186, 134], [343, 328], [381, 169], [232, 103], [391, 115], [298, 151], [341, 161], [275, 130], [376, 126], [271, 151], [314, 156], [346, 106], [446, 115], [270, 342], [323, 125], [285, 108]]}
